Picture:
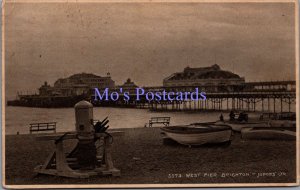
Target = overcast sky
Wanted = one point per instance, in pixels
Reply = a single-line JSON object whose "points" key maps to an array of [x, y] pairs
{"points": [[146, 41]]}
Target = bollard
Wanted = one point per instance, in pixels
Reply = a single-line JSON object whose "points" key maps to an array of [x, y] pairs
{"points": [[86, 154]]}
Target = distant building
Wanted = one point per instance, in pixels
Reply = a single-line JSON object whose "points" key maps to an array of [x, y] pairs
{"points": [[45, 89], [77, 84], [213, 78], [128, 86]]}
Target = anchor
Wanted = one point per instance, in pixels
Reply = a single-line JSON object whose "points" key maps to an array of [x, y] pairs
{"points": [[92, 154]]}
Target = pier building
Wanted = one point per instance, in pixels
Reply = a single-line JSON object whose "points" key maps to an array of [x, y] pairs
{"points": [[46, 89], [213, 77], [128, 86], [77, 84]]}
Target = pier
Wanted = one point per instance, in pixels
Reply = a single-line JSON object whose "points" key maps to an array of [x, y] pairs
{"points": [[271, 96]]}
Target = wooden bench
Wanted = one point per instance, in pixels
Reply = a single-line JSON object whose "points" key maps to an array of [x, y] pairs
{"points": [[37, 127], [159, 120]]}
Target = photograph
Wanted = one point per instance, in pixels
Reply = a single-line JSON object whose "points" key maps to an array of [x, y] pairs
{"points": [[150, 93]]}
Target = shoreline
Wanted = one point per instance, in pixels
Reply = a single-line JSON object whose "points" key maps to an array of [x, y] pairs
{"points": [[190, 111], [143, 158]]}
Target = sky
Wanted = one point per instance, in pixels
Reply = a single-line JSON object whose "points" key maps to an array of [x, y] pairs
{"points": [[145, 41]]}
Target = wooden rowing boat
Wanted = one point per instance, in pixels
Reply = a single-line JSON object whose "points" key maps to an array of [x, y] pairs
{"points": [[271, 133], [238, 126], [198, 134]]}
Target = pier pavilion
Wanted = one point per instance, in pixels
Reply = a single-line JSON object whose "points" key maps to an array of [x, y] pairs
{"points": [[213, 77]]}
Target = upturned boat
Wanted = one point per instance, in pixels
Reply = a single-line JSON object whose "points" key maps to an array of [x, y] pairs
{"points": [[282, 123], [271, 133], [199, 134], [238, 126]]}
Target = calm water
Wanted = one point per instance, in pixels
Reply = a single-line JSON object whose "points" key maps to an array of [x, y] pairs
{"points": [[18, 118]]}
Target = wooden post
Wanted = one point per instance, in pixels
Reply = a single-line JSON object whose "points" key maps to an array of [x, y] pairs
{"points": [[207, 105], [242, 103], [227, 104], [289, 104], [274, 102], [268, 104], [280, 104], [248, 104]]}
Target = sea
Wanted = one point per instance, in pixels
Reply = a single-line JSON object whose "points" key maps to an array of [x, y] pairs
{"points": [[17, 119]]}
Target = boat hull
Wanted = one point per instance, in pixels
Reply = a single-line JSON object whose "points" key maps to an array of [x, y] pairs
{"points": [[282, 123], [199, 137], [237, 127], [269, 133]]}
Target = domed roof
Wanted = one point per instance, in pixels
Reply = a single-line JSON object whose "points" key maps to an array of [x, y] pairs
{"points": [[212, 72], [83, 75], [218, 74], [83, 104]]}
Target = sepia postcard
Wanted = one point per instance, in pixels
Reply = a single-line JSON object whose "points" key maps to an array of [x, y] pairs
{"points": [[150, 93]]}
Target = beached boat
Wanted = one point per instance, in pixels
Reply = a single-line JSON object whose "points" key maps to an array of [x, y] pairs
{"points": [[278, 116], [198, 134], [284, 119], [271, 133], [282, 123], [238, 126]]}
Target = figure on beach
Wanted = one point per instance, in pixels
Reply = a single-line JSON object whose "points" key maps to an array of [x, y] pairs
{"points": [[231, 115], [221, 117], [243, 117]]}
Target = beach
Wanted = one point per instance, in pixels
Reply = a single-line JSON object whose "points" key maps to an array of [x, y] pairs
{"points": [[143, 158]]}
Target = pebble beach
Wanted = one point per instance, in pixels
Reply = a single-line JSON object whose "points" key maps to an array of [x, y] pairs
{"points": [[143, 158]]}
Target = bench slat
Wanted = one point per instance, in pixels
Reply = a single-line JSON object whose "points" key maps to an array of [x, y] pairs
{"points": [[35, 127], [162, 120]]}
